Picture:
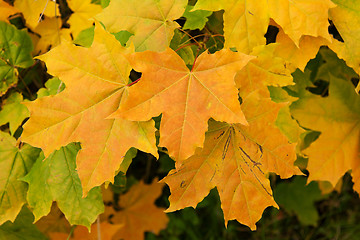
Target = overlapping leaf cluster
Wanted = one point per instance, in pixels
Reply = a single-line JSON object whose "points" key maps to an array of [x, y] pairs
{"points": [[229, 118]]}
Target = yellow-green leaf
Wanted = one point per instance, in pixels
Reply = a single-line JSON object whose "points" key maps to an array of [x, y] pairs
{"points": [[337, 117], [346, 18], [15, 163], [151, 21], [50, 178]]}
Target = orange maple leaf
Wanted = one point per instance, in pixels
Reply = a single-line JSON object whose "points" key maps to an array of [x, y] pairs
{"points": [[138, 213], [237, 158], [107, 232], [186, 99], [6, 10], [95, 80]]}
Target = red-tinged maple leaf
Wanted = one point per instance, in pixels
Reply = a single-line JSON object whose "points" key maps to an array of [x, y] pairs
{"points": [[138, 213], [186, 99], [95, 80]]}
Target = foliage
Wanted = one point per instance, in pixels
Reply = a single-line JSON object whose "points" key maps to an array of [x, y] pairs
{"points": [[232, 97]]}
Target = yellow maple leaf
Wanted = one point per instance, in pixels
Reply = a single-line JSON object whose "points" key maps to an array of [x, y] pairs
{"points": [[6, 10], [83, 12], [268, 67], [297, 56], [186, 99], [245, 23], [138, 213], [32, 9], [95, 86], [337, 117], [50, 34], [302, 17], [346, 18], [150, 21]]}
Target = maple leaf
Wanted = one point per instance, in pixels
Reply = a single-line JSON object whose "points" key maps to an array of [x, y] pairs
{"points": [[332, 66], [55, 221], [15, 52], [13, 112], [299, 198], [302, 17], [82, 14], [186, 99], [15, 163], [6, 10], [138, 213], [151, 21], [195, 19], [21, 227], [95, 86], [32, 9], [337, 117], [50, 33], [297, 56], [48, 180], [107, 231], [245, 23], [271, 69], [235, 159], [346, 18], [52, 86]]}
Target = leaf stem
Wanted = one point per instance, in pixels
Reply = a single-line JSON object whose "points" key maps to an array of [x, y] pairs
{"points": [[71, 232], [98, 228], [132, 83], [186, 45]]}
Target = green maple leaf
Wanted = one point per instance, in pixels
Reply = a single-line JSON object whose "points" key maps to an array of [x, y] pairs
{"points": [[299, 198], [22, 226], [195, 19], [13, 112], [14, 164], [15, 52], [50, 178]]}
